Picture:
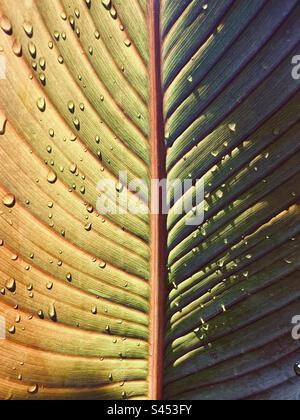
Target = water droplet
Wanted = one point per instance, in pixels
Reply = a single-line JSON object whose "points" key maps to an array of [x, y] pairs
{"points": [[40, 314], [72, 21], [12, 330], [76, 123], [73, 168], [119, 187], [42, 78], [106, 4], [71, 106], [56, 35], [88, 227], [113, 13], [97, 34], [52, 177], [33, 389], [42, 63], [28, 29], [52, 312], [41, 104], [127, 42], [94, 310], [297, 369], [6, 25], [3, 121], [32, 49], [17, 48], [90, 208], [232, 127], [69, 277], [11, 285], [9, 200]]}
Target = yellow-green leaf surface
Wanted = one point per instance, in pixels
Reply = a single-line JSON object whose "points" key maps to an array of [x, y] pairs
{"points": [[74, 283], [232, 121]]}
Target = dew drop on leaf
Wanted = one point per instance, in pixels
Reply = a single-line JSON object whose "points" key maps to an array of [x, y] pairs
{"points": [[52, 177], [42, 63], [52, 312], [17, 48], [71, 106], [42, 78], [12, 330], [73, 168], [28, 29], [40, 314], [297, 369], [9, 200], [6, 25], [88, 227], [41, 104], [3, 121], [106, 3], [33, 389], [113, 13], [11, 285], [32, 49], [232, 127], [56, 35]]}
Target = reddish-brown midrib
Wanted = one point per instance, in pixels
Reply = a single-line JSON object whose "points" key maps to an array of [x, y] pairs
{"points": [[158, 222]]}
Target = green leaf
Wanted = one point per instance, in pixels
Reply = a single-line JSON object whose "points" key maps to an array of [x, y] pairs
{"points": [[77, 108], [232, 121], [199, 91]]}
